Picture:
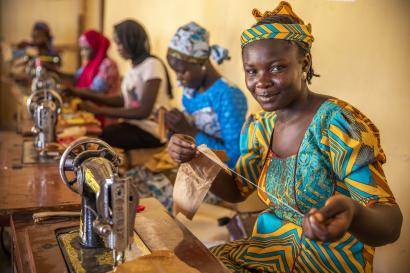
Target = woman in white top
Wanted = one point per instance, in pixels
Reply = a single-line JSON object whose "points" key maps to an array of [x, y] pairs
{"points": [[144, 89]]}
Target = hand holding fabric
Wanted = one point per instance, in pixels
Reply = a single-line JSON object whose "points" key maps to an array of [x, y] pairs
{"points": [[89, 107], [182, 148], [68, 90]]}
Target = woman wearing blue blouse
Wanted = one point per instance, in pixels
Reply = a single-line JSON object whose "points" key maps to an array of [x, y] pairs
{"points": [[213, 109]]}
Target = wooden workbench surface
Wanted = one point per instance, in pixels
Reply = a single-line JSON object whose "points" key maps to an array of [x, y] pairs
{"points": [[33, 187], [36, 248]]}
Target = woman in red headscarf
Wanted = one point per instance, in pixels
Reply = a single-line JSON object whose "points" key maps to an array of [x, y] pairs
{"points": [[98, 73]]}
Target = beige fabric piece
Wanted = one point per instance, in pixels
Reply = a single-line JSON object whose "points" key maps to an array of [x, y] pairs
{"points": [[161, 161], [161, 261], [139, 157], [194, 179]]}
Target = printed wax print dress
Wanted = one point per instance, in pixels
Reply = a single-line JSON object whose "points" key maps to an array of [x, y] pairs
{"points": [[339, 154]]}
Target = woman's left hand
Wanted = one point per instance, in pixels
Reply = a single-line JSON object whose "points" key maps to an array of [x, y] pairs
{"points": [[332, 221], [176, 121], [88, 106]]}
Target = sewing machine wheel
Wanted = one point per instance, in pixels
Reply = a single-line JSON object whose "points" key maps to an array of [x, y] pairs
{"points": [[40, 95], [54, 80], [68, 170]]}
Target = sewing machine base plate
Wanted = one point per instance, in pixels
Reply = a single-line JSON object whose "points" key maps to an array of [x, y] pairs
{"points": [[79, 259], [31, 156]]}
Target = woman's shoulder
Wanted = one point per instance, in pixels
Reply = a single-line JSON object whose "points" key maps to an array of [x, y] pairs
{"points": [[151, 61], [151, 66], [108, 62], [223, 83], [225, 90], [261, 120], [344, 112], [108, 65], [348, 124]]}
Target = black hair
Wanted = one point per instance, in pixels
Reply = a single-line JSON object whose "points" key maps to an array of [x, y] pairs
{"points": [[304, 48], [134, 39]]}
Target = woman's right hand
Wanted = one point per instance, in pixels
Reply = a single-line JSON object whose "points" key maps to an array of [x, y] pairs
{"points": [[67, 92], [70, 91], [67, 89], [182, 148]]}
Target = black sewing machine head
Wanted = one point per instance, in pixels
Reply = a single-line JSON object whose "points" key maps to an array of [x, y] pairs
{"points": [[89, 167]]}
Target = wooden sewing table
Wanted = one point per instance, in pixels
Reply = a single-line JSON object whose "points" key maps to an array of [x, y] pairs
{"points": [[35, 248], [29, 188]]}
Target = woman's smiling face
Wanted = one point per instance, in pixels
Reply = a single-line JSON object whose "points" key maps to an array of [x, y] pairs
{"points": [[273, 72]]}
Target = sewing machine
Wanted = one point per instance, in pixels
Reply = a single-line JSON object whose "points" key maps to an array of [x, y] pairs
{"points": [[44, 106], [42, 78], [29, 63], [102, 238], [89, 167]]}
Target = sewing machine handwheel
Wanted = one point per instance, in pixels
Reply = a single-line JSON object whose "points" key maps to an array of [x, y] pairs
{"points": [[72, 152], [41, 95], [56, 81]]}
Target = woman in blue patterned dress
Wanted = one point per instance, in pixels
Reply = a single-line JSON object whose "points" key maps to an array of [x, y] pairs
{"points": [[214, 109], [315, 161]]}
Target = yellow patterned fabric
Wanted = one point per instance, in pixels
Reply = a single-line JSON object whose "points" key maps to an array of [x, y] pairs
{"points": [[293, 32], [340, 154]]}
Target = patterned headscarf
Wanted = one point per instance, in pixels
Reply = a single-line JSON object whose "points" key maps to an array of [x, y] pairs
{"points": [[295, 32], [191, 43]]}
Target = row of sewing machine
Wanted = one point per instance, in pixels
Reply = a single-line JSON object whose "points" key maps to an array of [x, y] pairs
{"points": [[106, 234]]}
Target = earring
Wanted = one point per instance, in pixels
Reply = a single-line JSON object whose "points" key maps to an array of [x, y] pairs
{"points": [[304, 76]]}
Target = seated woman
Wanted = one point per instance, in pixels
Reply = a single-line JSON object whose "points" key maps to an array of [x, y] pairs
{"points": [[216, 107], [214, 110], [41, 41], [144, 89], [315, 160], [41, 45], [98, 73]]}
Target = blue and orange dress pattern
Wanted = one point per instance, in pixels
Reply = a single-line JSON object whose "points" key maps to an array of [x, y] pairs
{"points": [[339, 154]]}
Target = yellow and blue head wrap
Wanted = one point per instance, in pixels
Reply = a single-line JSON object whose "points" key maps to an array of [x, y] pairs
{"points": [[293, 32]]}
